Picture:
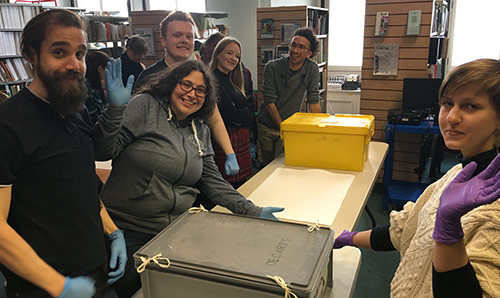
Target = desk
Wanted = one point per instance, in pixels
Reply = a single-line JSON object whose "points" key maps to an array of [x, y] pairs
{"points": [[399, 192], [346, 260]]}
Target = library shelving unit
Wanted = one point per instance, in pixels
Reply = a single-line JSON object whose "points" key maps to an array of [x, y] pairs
{"points": [[274, 27], [149, 21], [107, 33], [438, 46], [15, 71]]}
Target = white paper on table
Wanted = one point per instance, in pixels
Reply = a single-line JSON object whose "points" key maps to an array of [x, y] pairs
{"points": [[308, 195]]}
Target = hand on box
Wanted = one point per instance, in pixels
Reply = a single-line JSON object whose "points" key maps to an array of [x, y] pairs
{"points": [[267, 212], [344, 239]]}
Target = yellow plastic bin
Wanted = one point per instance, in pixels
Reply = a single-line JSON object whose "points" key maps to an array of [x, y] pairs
{"points": [[324, 141]]}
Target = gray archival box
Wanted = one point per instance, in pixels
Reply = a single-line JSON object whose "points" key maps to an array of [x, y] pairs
{"points": [[217, 255]]}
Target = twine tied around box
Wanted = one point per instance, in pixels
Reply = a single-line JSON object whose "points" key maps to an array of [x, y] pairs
{"points": [[281, 282], [195, 210], [155, 259], [313, 227]]}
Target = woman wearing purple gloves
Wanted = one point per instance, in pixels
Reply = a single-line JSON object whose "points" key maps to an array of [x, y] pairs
{"points": [[449, 239]]}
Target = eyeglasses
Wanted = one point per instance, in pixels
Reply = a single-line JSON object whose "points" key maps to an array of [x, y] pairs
{"points": [[187, 86], [299, 46]]}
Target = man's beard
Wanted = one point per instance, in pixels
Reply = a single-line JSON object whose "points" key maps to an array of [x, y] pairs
{"points": [[65, 97]]}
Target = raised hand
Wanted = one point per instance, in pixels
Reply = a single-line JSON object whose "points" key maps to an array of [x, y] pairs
{"points": [[118, 95], [461, 196]]}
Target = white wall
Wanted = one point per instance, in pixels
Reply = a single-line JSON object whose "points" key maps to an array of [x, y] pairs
{"points": [[242, 23]]}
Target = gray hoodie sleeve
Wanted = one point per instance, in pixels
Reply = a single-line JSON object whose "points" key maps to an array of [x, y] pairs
{"points": [[313, 86], [118, 126], [219, 190]]}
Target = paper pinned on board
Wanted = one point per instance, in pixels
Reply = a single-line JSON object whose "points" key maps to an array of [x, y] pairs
{"points": [[307, 194]]}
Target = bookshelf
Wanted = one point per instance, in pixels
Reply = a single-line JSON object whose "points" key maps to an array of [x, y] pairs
{"points": [[438, 45], [107, 33], [274, 28], [15, 71], [150, 21]]}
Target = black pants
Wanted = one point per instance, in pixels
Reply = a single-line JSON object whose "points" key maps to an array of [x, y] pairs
{"points": [[99, 275]]}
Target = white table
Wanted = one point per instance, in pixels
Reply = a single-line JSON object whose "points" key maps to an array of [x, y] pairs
{"points": [[346, 260]]}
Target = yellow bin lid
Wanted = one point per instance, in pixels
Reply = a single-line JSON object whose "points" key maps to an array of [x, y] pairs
{"points": [[326, 123]]}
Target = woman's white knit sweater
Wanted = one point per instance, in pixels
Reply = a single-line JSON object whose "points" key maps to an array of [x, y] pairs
{"points": [[411, 234]]}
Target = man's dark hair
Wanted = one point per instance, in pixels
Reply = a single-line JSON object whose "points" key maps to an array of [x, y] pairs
{"points": [[137, 44], [309, 35], [175, 16], [211, 41], [36, 29], [162, 84]]}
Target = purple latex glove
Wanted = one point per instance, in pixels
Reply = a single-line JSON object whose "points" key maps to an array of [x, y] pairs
{"points": [[461, 196], [345, 238]]}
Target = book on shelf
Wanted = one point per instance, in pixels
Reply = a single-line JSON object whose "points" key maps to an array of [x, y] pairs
{"points": [[266, 54], [317, 20], [16, 16], [10, 44], [267, 28], [11, 90], [320, 55], [15, 69], [440, 14], [106, 31]]}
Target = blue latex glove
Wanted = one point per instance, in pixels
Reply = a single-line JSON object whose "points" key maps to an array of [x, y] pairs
{"points": [[78, 287], [231, 165], [117, 94], [118, 257], [461, 196], [344, 239], [267, 212]]}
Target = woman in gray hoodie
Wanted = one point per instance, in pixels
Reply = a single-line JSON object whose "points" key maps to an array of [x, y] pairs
{"points": [[162, 157]]}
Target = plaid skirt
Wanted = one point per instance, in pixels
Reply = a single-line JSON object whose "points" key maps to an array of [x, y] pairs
{"points": [[240, 140]]}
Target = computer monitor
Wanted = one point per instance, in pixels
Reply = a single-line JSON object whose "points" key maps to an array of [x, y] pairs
{"points": [[421, 94]]}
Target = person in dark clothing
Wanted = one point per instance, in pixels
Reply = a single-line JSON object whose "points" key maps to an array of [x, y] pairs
{"points": [[448, 238], [157, 173], [96, 88], [236, 111], [177, 38], [135, 49], [51, 221]]}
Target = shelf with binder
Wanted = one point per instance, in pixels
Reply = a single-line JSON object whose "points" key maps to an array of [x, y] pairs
{"points": [[15, 16], [440, 18], [107, 28]]}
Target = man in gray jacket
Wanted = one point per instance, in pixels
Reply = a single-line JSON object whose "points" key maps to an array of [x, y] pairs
{"points": [[286, 82]]}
